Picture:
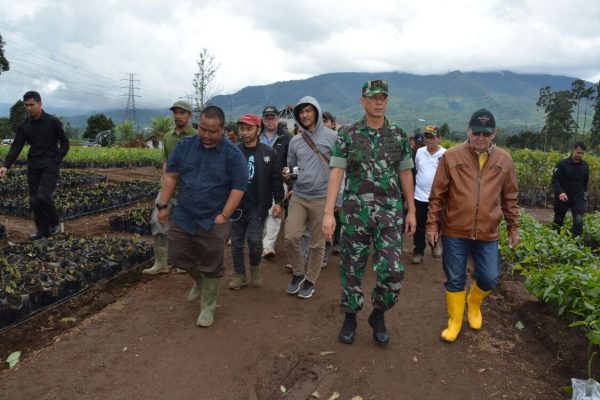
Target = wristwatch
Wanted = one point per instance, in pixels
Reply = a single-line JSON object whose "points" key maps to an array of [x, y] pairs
{"points": [[161, 206]]}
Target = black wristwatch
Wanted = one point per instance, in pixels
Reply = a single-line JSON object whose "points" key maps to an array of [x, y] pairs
{"points": [[161, 206]]}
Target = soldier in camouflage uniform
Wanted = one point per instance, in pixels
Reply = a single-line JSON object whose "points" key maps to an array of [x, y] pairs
{"points": [[376, 156]]}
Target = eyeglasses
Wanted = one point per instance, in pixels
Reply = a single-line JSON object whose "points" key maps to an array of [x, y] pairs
{"points": [[485, 134]]}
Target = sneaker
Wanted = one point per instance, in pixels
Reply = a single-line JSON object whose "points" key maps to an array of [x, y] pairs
{"points": [[289, 268], [180, 271], [256, 276], [37, 235], [324, 263], [416, 259], [237, 282], [294, 285], [335, 250], [54, 230], [307, 290], [268, 253], [436, 252]]}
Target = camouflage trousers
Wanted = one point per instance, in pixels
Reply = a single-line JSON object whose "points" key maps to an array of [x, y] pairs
{"points": [[359, 226]]}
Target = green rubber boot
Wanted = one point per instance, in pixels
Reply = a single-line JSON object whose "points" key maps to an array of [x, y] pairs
{"points": [[160, 256], [210, 292], [196, 290]]}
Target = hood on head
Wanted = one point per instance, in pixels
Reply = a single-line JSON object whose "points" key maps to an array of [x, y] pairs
{"points": [[312, 101]]}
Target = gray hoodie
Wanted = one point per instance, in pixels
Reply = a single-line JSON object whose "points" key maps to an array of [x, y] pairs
{"points": [[312, 172]]}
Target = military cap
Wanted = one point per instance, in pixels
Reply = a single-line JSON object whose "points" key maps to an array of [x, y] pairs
{"points": [[371, 88]]}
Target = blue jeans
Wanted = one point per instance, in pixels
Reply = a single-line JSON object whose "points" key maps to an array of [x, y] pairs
{"points": [[249, 227], [486, 260]]}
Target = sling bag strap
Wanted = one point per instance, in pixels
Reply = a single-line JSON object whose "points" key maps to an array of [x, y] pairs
{"points": [[311, 143]]}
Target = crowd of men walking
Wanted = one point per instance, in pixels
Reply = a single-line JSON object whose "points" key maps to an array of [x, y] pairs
{"points": [[360, 188]]}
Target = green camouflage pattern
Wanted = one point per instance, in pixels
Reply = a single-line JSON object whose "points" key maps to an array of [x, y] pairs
{"points": [[372, 210]]}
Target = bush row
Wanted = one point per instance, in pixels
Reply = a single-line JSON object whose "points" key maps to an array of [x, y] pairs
{"points": [[36, 274]]}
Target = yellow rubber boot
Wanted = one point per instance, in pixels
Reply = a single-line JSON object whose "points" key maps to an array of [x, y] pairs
{"points": [[474, 301], [456, 310]]}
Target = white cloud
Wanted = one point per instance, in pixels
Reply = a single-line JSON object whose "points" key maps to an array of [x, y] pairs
{"points": [[89, 47]]}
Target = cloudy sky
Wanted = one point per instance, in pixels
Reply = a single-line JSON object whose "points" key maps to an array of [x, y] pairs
{"points": [[81, 52]]}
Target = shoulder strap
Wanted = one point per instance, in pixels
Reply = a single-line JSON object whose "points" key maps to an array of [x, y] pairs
{"points": [[311, 143]]}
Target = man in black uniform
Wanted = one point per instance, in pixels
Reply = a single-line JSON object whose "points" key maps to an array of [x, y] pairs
{"points": [[49, 145], [570, 182]]}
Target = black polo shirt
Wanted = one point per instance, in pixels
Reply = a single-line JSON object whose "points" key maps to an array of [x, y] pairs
{"points": [[46, 137]]}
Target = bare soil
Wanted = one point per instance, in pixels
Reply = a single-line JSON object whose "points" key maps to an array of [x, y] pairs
{"points": [[136, 338]]}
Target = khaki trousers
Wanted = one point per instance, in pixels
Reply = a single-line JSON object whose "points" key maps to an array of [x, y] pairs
{"points": [[303, 213]]}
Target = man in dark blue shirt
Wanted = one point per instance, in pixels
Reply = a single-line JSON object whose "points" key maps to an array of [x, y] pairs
{"points": [[212, 177], [49, 145]]}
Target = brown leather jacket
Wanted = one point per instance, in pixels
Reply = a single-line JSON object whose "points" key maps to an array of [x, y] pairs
{"points": [[470, 201]]}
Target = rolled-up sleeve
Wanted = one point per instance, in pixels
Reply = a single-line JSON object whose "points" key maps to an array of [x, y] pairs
{"points": [[339, 153], [238, 170]]}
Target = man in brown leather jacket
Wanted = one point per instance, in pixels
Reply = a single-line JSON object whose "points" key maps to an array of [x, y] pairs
{"points": [[475, 185]]}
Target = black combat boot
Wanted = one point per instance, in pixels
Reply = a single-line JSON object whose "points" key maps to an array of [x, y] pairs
{"points": [[377, 322], [348, 330]]}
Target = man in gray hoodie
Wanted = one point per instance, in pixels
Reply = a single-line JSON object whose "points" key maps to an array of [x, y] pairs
{"points": [[310, 152]]}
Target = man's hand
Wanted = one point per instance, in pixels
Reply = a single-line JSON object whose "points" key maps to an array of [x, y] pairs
{"points": [[289, 195], [3, 172], [220, 219], [433, 237], [285, 174], [563, 197], [163, 216], [328, 225], [410, 223], [277, 211], [514, 241]]}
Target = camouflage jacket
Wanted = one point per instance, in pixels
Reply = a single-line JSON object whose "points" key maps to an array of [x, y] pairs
{"points": [[372, 159]]}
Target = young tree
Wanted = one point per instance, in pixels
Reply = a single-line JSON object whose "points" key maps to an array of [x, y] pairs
{"points": [[126, 130], [160, 126], [203, 81], [590, 95], [97, 123], [4, 64], [17, 115], [595, 136]]}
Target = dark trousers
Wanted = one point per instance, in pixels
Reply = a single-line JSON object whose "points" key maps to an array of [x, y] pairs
{"points": [[248, 228], [42, 184], [577, 210], [419, 236]]}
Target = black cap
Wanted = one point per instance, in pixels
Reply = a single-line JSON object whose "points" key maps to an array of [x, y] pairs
{"points": [[419, 139], [270, 110], [327, 115], [232, 127], [482, 120]]}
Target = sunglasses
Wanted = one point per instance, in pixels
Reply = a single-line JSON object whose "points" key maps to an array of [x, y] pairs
{"points": [[485, 134]]}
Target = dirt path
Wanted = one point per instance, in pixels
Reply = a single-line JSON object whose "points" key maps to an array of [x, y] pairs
{"points": [[146, 346]]}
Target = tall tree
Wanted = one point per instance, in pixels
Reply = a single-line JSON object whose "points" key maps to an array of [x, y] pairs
{"points": [[559, 118], [595, 140], [589, 95], [4, 64], [97, 123], [444, 130], [18, 113], [543, 102], [5, 131], [204, 85], [577, 92]]}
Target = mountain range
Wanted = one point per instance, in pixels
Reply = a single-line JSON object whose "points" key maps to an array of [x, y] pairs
{"points": [[415, 100]]}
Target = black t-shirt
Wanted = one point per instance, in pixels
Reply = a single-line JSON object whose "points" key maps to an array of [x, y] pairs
{"points": [[250, 199]]}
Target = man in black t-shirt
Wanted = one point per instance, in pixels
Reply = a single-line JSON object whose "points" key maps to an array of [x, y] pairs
{"points": [[570, 182], [265, 185], [49, 145]]}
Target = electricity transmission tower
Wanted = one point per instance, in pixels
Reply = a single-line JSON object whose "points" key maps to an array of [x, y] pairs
{"points": [[130, 114]]}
